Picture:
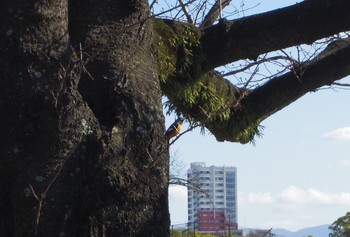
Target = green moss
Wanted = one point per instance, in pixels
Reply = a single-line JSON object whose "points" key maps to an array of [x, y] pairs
{"points": [[178, 50], [201, 98], [166, 50], [247, 134]]}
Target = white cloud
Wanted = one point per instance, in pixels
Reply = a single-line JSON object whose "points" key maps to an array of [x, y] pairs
{"points": [[178, 192], [255, 198], [178, 204], [344, 163], [299, 197], [339, 134], [260, 198], [294, 197]]}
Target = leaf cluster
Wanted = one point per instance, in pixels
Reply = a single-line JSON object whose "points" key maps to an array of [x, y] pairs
{"points": [[341, 227]]}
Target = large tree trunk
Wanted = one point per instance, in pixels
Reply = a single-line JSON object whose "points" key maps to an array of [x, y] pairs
{"points": [[82, 147]]}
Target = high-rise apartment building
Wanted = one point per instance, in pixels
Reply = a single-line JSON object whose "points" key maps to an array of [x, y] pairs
{"points": [[212, 198]]}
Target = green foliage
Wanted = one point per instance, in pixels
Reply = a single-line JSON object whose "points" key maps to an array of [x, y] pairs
{"points": [[207, 235], [192, 233], [204, 98], [341, 227], [166, 49], [166, 65], [177, 41], [175, 233], [187, 41], [247, 134]]}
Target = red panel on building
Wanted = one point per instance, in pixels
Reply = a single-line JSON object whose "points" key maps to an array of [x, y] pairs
{"points": [[214, 222]]}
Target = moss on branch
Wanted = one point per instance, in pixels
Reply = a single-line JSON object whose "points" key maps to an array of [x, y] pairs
{"points": [[179, 50], [199, 94]]}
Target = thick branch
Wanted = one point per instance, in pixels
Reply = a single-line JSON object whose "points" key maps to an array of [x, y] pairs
{"points": [[281, 91], [249, 37]]}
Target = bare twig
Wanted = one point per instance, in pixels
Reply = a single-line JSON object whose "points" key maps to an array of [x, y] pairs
{"points": [[200, 11], [154, 2], [33, 192], [341, 84], [161, 13], [183, 6], [83, 63], [192, 183], [214, 13], [43, 195], [257, 63], [183, 133]]}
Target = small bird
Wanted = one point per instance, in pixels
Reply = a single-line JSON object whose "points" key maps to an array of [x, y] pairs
{"points": [[174, 129]]}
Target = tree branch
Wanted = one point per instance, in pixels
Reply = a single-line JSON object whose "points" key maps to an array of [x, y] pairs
{"points": [[282, 91], [183, 7], [341, 84], [229, 41], [214, 13]]}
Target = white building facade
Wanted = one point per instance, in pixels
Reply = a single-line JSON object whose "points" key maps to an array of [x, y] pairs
{"points": [[214, 191]]}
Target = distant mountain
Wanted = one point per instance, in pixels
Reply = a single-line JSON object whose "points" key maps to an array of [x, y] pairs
{"points": [[315, 231]]}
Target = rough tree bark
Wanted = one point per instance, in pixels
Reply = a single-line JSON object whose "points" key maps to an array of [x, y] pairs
{"points": [[82, 146], [82, 151]]}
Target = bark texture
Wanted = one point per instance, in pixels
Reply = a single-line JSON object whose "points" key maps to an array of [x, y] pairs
{"points": [[82, 146]]}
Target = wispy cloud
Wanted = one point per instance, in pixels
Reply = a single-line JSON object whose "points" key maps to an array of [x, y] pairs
{"points": [[344, 163], [291, 197], [259, 198], [294, 197], [339, 134], [300, 197]]}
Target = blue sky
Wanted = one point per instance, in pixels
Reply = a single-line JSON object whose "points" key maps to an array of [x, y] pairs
{"points": [[297, 175]]}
